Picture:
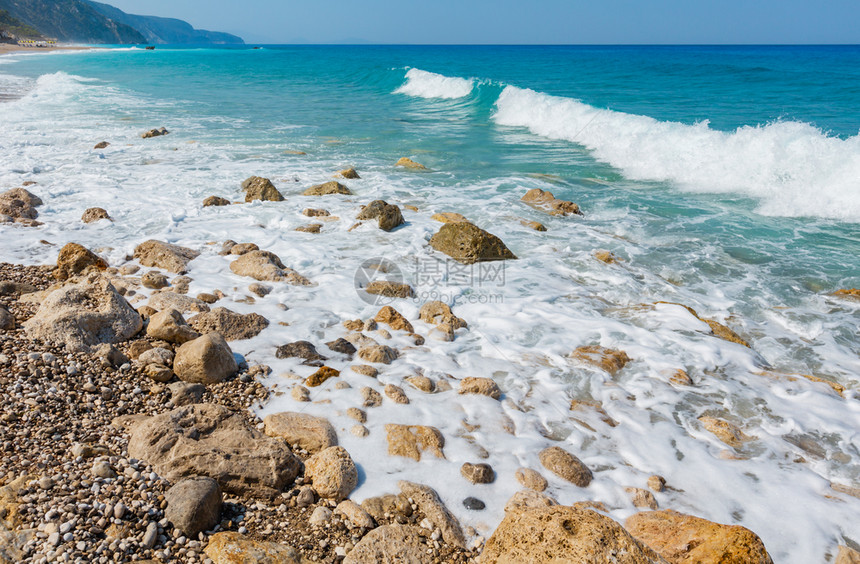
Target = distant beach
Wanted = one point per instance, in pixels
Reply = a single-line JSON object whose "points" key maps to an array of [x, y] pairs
{"points": [[10, 48]]}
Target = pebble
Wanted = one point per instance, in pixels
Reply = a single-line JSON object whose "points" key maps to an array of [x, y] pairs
{"points": [[473, 504], [151, 535]]}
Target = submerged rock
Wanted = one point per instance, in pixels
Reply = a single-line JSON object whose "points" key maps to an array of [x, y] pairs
{"points": [[95, 214], [545, 201], [331, 187], [467, 243], [388, 215], [449, 217], [610, 360], [154, 133], [215, 201], [406, 162], [389, 289]]}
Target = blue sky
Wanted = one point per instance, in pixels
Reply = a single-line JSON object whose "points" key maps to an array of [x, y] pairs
{"points": [[518, 21]]}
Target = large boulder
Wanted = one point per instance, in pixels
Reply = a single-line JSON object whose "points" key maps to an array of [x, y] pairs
{"points": [[566, 466], [467, 243], [234, 548], [564, 534], [266, 267], [194, 505], [391, 544], [229, 324], [332, 472], [545, 201], [686, 539], [331, 187], [259, 188], [159, 254], [89, 312], [205, 360], [76, 259], [210, 440], [301, 429], [434, 510]]}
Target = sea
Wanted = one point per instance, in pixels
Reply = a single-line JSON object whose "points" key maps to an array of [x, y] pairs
{"points": [[722, 178]]}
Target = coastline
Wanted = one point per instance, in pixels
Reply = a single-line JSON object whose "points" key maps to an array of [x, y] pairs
{"points": [[6, 48]]}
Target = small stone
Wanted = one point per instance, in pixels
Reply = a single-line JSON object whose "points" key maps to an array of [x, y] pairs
{"points": [[531, 479], [396, 394], [357, 414], [478, 473], [365, 370], [321, 375], [657, 483], [422, 383], [371, 397], [95, 214], [300, 393], [320, 516], [480, 386], [566, 466], [474, 504], [306, 496], [359, 431], [151, 535], [642, 499], [103, 470]]}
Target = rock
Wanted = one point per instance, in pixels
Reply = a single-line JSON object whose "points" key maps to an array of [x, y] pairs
{"points": [[258, 188], [210, 440], [341, 346], [365, 370], [396, 394], [526, 499], [310, 228], [409, 163], [478, 473], [605, 256], [183, 393], [169, 325], [377, 353], [260, 290], [89, 312], [154, 133], [847, 556], [391, 317], [300, 393], [718, 329], [326, 188], [207, 298], [412, 440], [9, 288], [215, 201], [95, 214], [440, 314], [7, 320], [348, 173], [158, 372], [610, 360], [306, 496], [314, 212], [299, 349], [233, 548], [566, 466], [422, 383], [642, 499], [159, 254], [392, 504], [13, 543], [355, 513], [387, 215], [371, 397], [564, 534], [205, 360], [431, 506], [229, 324], [75, 259], [19, 204], [449, 217], [320, 376], [240, 249], [102, 469], [480, 386], [301, 429], [359, 431], [537, 226], [545, 201], [389, 289], [266, 267], [684, 538], [531, 479], [332, 472], [727, 432], [391, 544], [468, 244], [171, 300], [155, 280], [194, 505], [101, 145], [850, 293], [657, 483], [320, 516]]}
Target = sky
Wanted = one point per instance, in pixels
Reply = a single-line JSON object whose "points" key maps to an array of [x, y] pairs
{"points": [[518, 21]]}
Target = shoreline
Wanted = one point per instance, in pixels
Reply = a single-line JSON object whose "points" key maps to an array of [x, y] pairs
{"points": [[6, 48]]}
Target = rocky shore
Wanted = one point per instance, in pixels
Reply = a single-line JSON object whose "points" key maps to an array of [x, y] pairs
{"points": [[127, 434]]}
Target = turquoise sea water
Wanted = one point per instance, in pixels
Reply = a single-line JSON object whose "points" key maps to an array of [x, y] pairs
{"points": [[725, 178]]}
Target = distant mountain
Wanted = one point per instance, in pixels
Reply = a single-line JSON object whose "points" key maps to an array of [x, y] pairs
{"points": [[71, 20], [14, 26], [83, 21], [165, 30]]}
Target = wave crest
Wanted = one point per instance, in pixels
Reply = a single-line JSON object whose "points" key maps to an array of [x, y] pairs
{"points": [[425, 84]]}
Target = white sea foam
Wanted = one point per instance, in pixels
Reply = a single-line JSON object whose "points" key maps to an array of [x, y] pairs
{"points": [[792, 168], [425, 84]]}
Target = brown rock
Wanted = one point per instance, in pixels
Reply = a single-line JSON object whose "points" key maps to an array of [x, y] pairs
{"points": [[391, 544], [526, 499], [478, 473], [310, 228], [355, 513], [393, 319], [205, 360], [154, 280], [411, 440], [718, 329], [311, 212], [439, 314], [531, 479], [434, 510], [566, 466], [545, 201], [172, 258], [605, 256], [564, 534], [266, 267], [194, 505], [332, 472], [300, 349], [365, 370], [75, 259], [19, 204], [657, 483], [371, 397], [642, 499], [468, 244], [393, 504], [422, 383], [449, 217], [727, 432], [847, 556], [101, 145], [240, 249], [215, 201], [259, 188], [210, 440], [301, 429], [341, 346], [229, 324], [171, 300], [389, 289], [853, 293], [388, 215], [686, 539], [480, 386], [537, 226], [233, 548], [95, 214], [348, 173], [396, 394], [377, 353], [331, 187], [154, 133], [169, 325], [7, 320], [320, 376], [409, 163], [610, 360]]}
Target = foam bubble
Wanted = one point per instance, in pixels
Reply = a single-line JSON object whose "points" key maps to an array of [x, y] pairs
{"points": [[794, 169], [425, 84]]}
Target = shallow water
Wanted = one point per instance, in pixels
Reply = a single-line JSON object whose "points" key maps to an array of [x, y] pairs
{"points": [[751, 219]]}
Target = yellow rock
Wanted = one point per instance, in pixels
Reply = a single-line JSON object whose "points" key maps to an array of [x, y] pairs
{"points": [[409, 163], [233, 548], [448, 217], [610, 360]]}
